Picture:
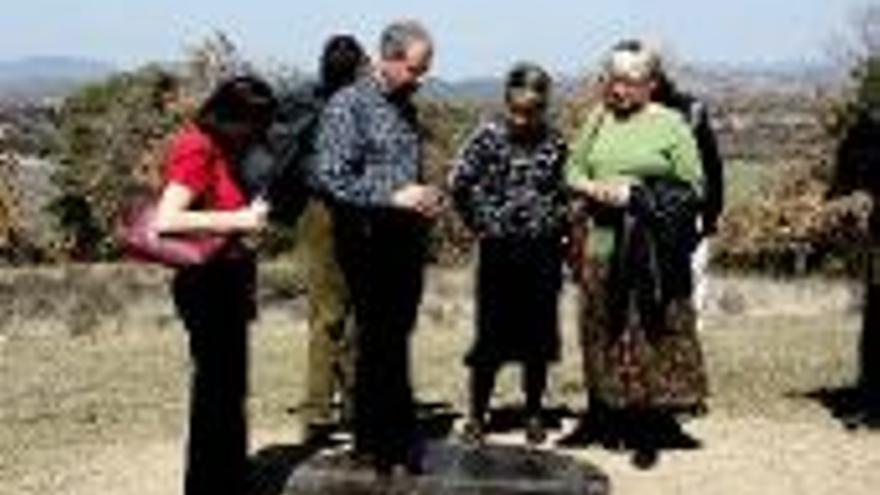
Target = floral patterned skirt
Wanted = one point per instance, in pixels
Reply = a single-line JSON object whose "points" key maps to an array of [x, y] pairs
{"points": [[635, 367]]}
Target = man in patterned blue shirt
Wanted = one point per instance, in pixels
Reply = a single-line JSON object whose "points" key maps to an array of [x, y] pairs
{"points": [[370, 171]]}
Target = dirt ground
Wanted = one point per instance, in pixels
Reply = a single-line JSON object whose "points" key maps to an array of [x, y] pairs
{"points": [[103, 413]]}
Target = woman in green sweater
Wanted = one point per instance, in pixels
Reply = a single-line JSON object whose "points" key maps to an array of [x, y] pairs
{"points": [[642, 362]]}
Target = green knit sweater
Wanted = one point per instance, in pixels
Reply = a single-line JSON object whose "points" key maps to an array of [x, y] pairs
{"points": [[654, 142]]}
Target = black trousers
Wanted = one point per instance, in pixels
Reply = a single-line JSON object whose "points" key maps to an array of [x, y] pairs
{"points": [[869, 346], [215, 302], [382, 255]]}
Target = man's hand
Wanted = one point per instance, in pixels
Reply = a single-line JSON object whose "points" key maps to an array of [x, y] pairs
{"points": [[422, 199]]}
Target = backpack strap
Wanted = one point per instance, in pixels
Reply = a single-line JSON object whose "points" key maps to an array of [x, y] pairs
{"points": [[694, 113]]}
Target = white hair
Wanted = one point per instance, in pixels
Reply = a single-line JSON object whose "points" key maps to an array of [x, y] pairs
{"points": [[634, 60]]}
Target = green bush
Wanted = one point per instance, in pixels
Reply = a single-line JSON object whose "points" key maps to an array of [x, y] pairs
{"points": [[793, 227], [112, 135]]}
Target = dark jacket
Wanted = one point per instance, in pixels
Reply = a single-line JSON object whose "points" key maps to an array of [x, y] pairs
{"points": [[655, 237], [857, 163], [505, 188], [292, 141], [369, 145], [858, 157], [696, 115]]}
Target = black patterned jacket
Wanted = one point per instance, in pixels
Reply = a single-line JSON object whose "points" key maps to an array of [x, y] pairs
{"points": [[503, 188], [369, 145]]}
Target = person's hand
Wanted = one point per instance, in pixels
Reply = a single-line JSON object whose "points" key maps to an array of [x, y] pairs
{"points": [[609, 192], [707, 228], [433, 203], [254, 217], [615, 192], [425, 200]]}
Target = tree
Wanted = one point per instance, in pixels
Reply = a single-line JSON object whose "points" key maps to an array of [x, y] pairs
{"points": [[113, 137], [107, 129], [793, 227]]}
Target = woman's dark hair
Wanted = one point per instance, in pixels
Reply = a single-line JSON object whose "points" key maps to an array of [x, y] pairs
{"points": [[162, 84], [628, 45], [240, 102], [528, 78], [341, 61]]}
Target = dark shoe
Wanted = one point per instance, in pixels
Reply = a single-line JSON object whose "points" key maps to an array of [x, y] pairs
{"points": [[871, 420], [383, 468], [645, 457], [669, 434], [473, 432], [353, 461], [680, 440], [868, 419], [318, 434], [535, 433], [700, 409], [644, 431], [593, 429], [415, 458]]}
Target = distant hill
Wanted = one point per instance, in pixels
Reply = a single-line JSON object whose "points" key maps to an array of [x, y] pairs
{"points": [[783, 78], [483, 88], [42, 77], [49, 76], [708, 80]]}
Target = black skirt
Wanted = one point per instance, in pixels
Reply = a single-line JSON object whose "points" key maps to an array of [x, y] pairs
{"points": [[517, 292]]}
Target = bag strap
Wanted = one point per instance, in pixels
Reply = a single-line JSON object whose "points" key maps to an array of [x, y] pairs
{"points": [[597, 121], [578, 224], [597, 124], [214, 174]]}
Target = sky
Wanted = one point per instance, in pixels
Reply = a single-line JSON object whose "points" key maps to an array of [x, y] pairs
{"points": [[474, 37]]}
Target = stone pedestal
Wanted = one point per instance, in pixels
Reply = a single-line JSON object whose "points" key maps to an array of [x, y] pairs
{"points": [[454, 469]]}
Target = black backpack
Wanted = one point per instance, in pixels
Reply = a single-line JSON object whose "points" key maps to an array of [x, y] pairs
{"points": [[292, 141], [858, 156], [696, 116]]}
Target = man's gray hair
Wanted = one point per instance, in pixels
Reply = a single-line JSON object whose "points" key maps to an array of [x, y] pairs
{"points": [[399, 36]]}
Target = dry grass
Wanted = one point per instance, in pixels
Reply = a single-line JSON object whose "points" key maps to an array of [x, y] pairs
{"points": [[103, 412]]}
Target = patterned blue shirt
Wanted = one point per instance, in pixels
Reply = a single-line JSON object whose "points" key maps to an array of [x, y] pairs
{"points": [[369, 145]]}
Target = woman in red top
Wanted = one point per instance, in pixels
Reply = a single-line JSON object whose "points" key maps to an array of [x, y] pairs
{"points": [[215, 300]]}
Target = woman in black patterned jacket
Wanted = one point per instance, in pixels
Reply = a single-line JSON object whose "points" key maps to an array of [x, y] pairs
{"points": [[507, 186]]}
